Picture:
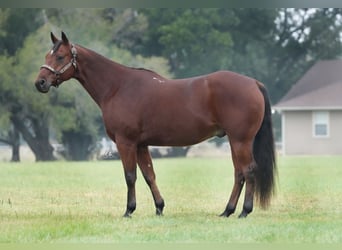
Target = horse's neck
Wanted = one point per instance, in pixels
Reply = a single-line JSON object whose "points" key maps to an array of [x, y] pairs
{"points": [[100, 76]]}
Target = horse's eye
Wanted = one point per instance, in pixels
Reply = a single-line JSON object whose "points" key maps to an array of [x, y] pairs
{"points": [[60, 58]]}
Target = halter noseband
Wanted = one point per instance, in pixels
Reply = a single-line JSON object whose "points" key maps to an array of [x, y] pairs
{"points": [[72, 62]]}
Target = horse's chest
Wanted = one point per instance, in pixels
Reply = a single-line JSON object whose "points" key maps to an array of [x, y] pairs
{"points": [[120, 122]]}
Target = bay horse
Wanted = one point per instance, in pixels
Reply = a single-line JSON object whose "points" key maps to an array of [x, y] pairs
{"points": [[142, 108]]}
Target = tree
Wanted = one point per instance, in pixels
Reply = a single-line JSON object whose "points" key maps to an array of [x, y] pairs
{"points": [[16, 25], [193, 40], [8, 133], [12, 138], [127, 27], [74, 120], [17, 104], [26, 108], [14, 29], [301, 38]]}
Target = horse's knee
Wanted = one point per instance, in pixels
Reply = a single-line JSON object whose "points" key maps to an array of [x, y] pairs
{"points": [[239, 178], [249, 172], [130, 177]]}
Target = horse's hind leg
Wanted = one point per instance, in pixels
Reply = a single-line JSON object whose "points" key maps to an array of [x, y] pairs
{"points": [[239, 181], [234, 197], [246, 163], [248, 172], [243, 166], [146, 167]]}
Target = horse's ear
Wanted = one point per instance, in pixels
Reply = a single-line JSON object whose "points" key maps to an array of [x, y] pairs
{"points": [[53, 38], [64, 38]]}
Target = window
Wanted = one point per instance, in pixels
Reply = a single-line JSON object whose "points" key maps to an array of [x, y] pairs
{"points": [[320, 123]]}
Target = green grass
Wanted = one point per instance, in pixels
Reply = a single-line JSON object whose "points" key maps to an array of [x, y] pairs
{"points": [[84, 202]]}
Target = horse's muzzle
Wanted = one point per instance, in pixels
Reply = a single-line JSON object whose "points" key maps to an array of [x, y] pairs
{"points": [[42, 85]]}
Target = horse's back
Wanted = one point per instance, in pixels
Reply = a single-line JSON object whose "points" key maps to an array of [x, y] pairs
{"points": [[224, 90]]}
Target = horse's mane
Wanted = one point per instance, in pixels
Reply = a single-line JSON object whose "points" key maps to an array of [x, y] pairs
{"points": [[148, 70], [144, 70]]}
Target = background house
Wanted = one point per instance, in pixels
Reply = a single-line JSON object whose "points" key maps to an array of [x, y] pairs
{"points": [[311, 112]]}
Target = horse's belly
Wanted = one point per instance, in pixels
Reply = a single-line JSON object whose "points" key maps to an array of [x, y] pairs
{"points": [[179, 136]]}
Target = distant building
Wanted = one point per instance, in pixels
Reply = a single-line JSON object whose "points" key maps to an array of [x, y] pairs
{"points": [[312, 112]]}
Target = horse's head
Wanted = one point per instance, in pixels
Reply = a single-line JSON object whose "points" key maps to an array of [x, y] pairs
{"points": [[60, 64]]}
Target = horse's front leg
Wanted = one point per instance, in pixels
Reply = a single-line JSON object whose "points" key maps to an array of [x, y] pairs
{"points": [[146, 167], [128, 154]]}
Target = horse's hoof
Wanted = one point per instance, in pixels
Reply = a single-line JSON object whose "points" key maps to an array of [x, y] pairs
{"points": [[243, 215], [159, 208], [223, 214], [127, 215], [159, 212], [227, 213]]}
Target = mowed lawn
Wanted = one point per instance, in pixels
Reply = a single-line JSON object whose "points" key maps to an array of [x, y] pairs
{"points": [[84, 202]]}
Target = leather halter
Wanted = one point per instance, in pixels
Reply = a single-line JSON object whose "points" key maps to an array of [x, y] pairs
{"points": [[58, 73]]}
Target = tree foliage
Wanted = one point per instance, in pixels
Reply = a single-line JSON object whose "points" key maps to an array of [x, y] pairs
{"points": [[301, 38], [15, 25], [193, 40]]}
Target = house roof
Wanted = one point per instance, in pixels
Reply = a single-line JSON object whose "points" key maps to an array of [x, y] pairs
{"points": [[319, 88]]}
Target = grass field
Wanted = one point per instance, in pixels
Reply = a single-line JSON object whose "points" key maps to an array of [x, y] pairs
{"points": [[84, 202]]}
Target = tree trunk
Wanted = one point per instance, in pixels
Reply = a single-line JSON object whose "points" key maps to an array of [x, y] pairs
{"points": [[13, 139], [15, 153], [78, 145], [177, 151], [15, 136], [36, 133]]}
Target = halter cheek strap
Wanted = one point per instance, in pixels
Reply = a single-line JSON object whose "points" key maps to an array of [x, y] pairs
{"points": [[72, 62]]}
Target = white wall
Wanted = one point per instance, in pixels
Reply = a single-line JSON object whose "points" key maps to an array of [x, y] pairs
{"points": [[298, 136]]}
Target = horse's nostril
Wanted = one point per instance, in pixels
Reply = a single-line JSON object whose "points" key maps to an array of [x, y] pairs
{"points": [[41, 82], [42, 85]]}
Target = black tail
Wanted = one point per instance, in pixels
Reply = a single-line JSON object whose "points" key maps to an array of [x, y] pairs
{"points": [[264, 156]]}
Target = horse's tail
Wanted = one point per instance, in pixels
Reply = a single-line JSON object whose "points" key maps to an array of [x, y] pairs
{"points": [[264, 156]]}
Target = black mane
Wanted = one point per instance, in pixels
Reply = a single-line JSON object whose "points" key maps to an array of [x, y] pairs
{"points": [[143, 69]]}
